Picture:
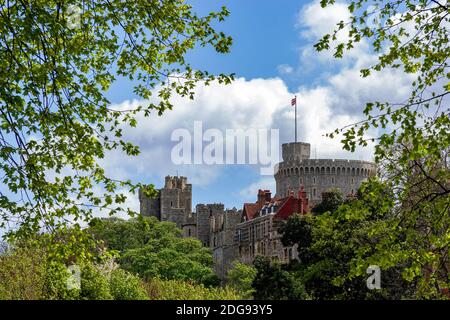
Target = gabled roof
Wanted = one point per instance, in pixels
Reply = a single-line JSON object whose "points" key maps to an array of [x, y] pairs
{"points": [[250, 210], [284, 207]]}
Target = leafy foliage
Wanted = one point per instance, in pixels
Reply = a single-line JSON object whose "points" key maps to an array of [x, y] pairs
{"points": [[339, 247], [241, 277], [28, 272], [156, 249], [22, 275], [58, 59], [331, 201], [274, 282], [413, 149], [159, 289]]}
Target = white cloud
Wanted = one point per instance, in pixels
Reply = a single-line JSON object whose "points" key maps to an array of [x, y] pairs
{"points": [[242, 105], [285, 69], [249, 193], [265, 103]]}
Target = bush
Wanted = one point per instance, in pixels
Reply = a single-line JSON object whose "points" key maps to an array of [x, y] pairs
{"points": [[27, 274], [22, 274], [94, 284], [126, 286], [241, 277], [158, 289], [154, 249]]}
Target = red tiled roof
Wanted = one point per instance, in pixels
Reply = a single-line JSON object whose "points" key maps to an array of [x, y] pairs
{"points": [[251, 209], [285, 206]]}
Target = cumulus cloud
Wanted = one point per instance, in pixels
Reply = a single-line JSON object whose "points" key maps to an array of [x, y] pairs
{"points": [[245, 104], [265, 103]]}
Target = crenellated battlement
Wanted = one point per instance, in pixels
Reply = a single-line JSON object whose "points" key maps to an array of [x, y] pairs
{"points": [[318, 175], [295, 151]]}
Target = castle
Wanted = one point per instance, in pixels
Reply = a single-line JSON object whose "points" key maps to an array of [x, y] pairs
{"points": [[241, 235]]}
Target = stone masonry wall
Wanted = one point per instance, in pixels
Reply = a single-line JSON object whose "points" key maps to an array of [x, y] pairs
{"points": [[318, 175], [222, 230]]}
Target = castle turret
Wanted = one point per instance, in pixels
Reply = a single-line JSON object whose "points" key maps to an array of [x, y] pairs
{"points": [[173, 203], [317, 176]]}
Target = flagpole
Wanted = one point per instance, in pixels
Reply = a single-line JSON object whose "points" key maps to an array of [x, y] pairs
{"points": [[295, 118]]}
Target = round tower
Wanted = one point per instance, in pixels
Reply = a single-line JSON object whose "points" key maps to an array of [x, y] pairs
{"points": [[318, 175]]}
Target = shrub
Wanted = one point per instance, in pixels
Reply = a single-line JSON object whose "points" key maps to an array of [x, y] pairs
{"points": [[126, 286], [94, 284], [22, 274], [241, 277], [158, 289]]}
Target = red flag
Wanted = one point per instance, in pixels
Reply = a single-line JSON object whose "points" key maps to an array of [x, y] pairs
{"points": [[294, 101]]}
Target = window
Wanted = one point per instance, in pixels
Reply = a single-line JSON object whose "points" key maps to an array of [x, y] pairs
{"points": [[332, 180], [189, 232], [314, 192], [314, 180]]}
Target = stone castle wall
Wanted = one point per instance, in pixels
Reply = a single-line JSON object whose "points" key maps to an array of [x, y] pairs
{"points": [[204, 212], [318, 175], [173, 202], [222, 230]]}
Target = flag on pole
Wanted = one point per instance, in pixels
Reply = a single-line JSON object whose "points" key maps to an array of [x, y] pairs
{"points": [[294, 101]]}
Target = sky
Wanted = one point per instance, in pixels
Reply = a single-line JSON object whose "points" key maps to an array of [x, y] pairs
{"points": [[274, 60]]}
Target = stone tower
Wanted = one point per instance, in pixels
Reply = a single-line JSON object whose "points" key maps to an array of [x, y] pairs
{"points": [[318, 176], [204, 214], [173, 203], [222, 234]]}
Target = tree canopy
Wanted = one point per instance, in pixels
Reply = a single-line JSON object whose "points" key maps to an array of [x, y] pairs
{"points": [[155, 249], [412, 150], [57, 62]]}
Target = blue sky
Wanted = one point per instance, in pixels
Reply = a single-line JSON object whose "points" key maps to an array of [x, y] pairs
{"points": [[273, 59], [263, 34]]}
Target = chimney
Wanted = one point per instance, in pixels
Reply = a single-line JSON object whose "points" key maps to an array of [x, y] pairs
{"points": [[268, 195], [261, 196], [303, 201]]}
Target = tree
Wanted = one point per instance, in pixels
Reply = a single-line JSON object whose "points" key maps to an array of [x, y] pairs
{"points": [[297, 230], [151, 248], [413, 149], [330, 202], [330, 245], [241, 277], [58, 59], [273, 282]]}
